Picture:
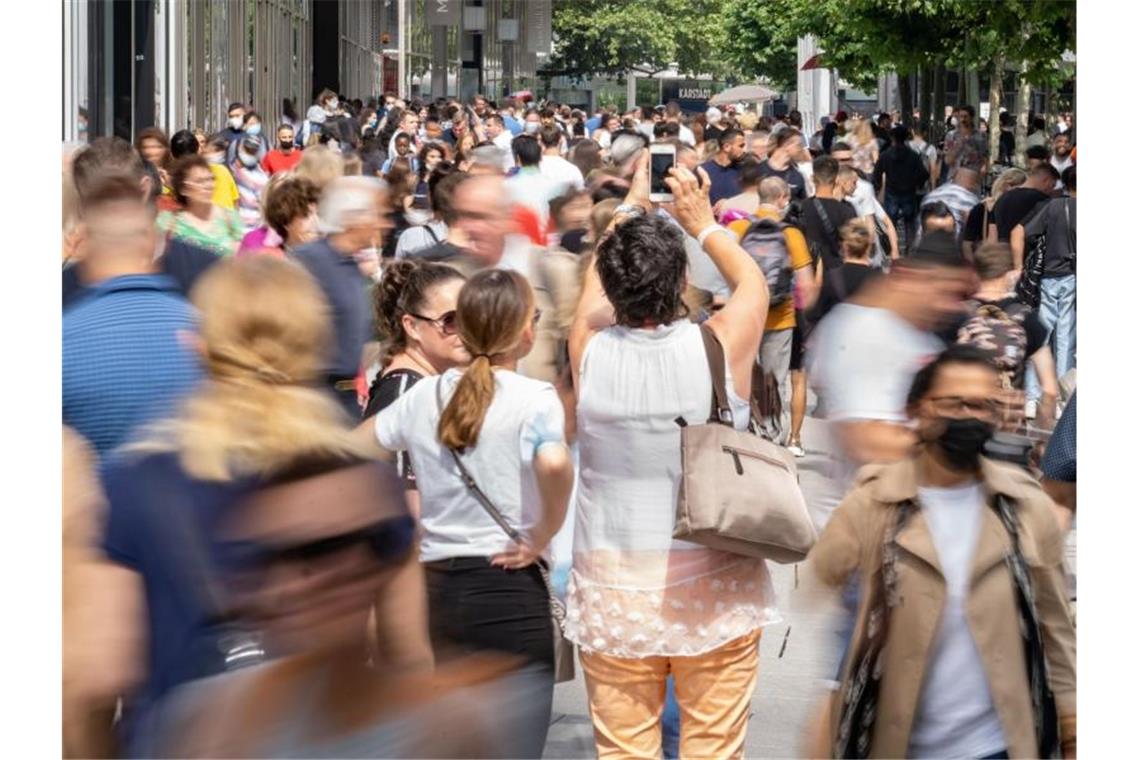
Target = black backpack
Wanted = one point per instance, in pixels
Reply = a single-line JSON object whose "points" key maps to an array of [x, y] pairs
{"points": [[767, 244]]}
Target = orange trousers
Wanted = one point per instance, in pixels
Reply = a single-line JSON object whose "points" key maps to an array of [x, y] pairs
{"points": [[714, 693]]}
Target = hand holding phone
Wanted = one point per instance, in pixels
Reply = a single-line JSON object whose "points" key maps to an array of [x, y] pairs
{"points": [[662, 158]]}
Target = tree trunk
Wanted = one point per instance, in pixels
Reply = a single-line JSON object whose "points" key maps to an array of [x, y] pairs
{"points": [[906, 99], [995, 107], [1023, 93], [961, 89], [924, 94], [938, 111]]}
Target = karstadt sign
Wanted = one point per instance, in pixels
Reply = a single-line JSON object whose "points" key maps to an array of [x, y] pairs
{"points": [[691, 94]]}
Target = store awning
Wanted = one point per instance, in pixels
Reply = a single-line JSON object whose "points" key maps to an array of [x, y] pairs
{"points": [[745, 93]]}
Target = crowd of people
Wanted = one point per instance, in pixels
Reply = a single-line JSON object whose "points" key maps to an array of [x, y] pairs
{"points": [[398, 389]]}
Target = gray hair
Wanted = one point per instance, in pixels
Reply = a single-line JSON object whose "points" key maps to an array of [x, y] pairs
{"points": [[347, 198]]}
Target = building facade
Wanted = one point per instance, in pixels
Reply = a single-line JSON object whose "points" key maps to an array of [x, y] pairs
{"points": [[132, 64]]}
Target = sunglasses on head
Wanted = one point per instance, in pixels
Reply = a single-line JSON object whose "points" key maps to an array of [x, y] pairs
{"points": [[388, 540]]}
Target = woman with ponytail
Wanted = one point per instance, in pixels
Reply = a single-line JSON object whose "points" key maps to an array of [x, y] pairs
{"points": [[263, 334], [484, 589], [415, 303]]}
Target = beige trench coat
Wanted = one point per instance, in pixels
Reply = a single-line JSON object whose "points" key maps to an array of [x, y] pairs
{"points": [[853, 541]]}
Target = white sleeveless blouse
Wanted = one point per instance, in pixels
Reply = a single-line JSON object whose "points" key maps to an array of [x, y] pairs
{"points": [[634, 591]]}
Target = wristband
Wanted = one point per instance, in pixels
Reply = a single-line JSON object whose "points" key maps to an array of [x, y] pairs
{"points": [[703, 234]]}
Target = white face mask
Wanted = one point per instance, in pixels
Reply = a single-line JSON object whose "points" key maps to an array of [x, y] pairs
{"points": [[532, 127], [235, 122], [417, 216]]}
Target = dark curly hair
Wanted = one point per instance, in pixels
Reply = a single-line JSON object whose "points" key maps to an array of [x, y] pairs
{"points": [[287, 200], [403, 290], [642, 265]]}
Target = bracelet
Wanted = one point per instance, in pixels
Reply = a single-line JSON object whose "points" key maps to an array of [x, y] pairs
{"points": [[704, 234]]}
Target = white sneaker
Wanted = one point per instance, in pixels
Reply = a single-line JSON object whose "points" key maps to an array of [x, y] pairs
{"points": [[796, 449], [1031, 410]]}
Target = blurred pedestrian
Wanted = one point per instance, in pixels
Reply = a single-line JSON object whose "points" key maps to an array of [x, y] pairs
{"points": [[285, 155], [126, 356], [352, 219], [290, 218], [251, 181], [200, 221], [225, 189], [995, 674]]}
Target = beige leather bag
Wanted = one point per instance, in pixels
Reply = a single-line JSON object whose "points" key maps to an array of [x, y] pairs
{"points": [[739, 492]]}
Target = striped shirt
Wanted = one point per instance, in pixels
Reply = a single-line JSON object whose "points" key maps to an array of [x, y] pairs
{"points": [[123, 362], [957, 198]]}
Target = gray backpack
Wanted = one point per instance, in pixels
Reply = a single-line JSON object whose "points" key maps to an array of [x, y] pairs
{"points": [[766, 244]]}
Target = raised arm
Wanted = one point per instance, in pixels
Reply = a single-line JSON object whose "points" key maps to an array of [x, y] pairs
{"points": [[740, 324]]}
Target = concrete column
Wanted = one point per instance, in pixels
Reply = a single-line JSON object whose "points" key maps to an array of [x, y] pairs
{"points": [[439, 61], [630, 91]]}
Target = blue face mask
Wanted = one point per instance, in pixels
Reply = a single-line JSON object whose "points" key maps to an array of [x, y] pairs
{"points": [[248, 160], [253, 129]]}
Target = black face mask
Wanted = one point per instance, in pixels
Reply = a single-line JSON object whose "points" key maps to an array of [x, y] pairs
{"points": [[962, 441]]}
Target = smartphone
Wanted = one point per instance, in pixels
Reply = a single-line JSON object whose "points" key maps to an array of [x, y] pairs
{"points": [[661, 158]]}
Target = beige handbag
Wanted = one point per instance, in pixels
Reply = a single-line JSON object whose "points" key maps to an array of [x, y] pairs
{"points": [[739, 492]]}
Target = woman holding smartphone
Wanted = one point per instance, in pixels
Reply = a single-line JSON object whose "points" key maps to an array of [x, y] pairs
{"points": [[641, 605]]}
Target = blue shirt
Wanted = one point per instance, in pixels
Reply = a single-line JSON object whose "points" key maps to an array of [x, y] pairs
{"points": [[725, 180], [142, 535], [124, 364], [513, 125], [592, 124], [1060, 460], [347, 292]]}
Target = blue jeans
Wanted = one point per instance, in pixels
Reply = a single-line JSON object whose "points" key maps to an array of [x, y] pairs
{"points": [[903, 211], [1058, 312], [671, 723]]}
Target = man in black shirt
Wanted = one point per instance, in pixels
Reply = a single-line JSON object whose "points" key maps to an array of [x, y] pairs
{"points": [[1006, 141], [1015, 205], [905, 175], [781, 163], [824, 214]]}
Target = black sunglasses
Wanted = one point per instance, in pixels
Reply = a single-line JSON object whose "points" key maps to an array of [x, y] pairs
{"points": [[389, 540], [445, 323]]}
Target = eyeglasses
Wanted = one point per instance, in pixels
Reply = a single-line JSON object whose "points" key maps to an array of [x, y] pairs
{"points": [[202, 182], [956, 406], [446, 323]]}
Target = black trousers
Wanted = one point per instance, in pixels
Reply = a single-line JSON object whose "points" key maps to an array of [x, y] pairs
{"points": [[473, 606]]}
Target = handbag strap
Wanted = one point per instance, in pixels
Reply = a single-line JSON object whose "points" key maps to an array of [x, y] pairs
{"points": [[720, 411]]}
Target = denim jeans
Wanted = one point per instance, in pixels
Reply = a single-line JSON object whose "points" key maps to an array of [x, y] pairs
{"points": [[1058, 312], [903, 211], [671, 724]]}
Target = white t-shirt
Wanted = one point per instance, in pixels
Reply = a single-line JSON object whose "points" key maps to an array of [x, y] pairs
{"points": [[524, 416], [955, 715], [560, 171], [686, 136], [503, 142], [866, 204], [862, 361]]}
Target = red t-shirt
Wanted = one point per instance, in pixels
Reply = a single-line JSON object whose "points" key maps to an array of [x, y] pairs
{"points": [[279, 161]]}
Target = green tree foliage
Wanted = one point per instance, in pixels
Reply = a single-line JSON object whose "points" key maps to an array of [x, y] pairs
{"points": [[611, 37]]}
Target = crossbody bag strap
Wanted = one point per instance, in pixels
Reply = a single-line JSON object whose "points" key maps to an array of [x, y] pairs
{"points": [[720, 411], [828, 227], [469, 481]]}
